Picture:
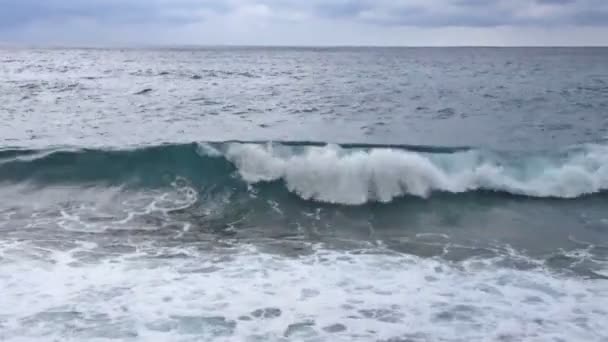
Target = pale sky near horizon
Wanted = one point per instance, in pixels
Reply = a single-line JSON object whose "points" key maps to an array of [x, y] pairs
{"points": [[304, 22]]}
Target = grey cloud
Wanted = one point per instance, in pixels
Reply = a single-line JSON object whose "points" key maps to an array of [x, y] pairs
{"points": [[484, 13], [553, 2], [208, 19], [341, 9], [462, 13], [23, 12]]}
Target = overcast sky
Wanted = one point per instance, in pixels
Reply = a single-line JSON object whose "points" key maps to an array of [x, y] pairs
{"points": [[304, 22]]}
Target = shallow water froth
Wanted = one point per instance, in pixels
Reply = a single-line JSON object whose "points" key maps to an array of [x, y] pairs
{"points": [[239, 293]]}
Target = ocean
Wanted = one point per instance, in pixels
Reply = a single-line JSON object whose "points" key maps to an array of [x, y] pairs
{"points": [[304, 194]]}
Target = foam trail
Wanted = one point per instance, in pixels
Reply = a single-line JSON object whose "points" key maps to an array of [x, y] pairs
{"points": [[335, 175]]}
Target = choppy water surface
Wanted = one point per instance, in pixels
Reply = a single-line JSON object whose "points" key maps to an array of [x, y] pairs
{"points": [[304, 195]]}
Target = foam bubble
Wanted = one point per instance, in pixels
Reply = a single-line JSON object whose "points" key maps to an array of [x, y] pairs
{"points": [[331, 174]]}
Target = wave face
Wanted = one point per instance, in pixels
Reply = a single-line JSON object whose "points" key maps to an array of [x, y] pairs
{"points": [[350, 174]]}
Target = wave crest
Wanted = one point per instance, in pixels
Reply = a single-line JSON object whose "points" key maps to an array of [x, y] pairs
{"points": [[335, 175]]}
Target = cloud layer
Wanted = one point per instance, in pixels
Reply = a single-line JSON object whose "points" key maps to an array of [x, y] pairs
{"points": [[405, 22]]}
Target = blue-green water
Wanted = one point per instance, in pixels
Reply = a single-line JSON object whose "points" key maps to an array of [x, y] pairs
{"points": [[274, 194]]}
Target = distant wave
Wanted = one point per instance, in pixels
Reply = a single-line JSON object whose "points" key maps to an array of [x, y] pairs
{"points": [[350, 174]]}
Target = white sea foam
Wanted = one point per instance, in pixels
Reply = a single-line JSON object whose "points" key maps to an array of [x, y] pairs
{"points": [[253, 296], [331, 174]]}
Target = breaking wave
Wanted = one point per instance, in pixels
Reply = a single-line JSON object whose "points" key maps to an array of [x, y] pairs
{"points": [[348, 174]]}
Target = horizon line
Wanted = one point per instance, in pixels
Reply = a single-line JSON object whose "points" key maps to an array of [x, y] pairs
{"points": [[295, 46]]}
